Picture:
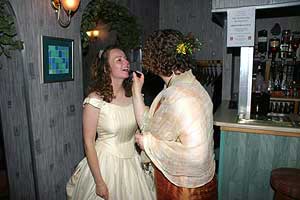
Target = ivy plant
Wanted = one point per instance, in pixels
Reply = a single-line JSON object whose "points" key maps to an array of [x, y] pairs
{"points": [[8, 42], [117, 17]]}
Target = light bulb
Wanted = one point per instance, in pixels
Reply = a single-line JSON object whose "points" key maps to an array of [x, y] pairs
{"points": [[89, 33], [70, 5], [96, 33]]}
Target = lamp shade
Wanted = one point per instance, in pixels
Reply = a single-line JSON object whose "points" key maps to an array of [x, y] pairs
{"points": [[70, 5]]}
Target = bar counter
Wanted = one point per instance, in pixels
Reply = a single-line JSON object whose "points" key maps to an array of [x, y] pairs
{"points": [[226, 119], [249, 152]]}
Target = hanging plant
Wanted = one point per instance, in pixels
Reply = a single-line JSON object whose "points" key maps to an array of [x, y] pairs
{"points": [[7, 31], [117, 17]]}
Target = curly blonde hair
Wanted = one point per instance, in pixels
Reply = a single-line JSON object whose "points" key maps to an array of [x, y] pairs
{"points": [[101, 80], [160, 56]]}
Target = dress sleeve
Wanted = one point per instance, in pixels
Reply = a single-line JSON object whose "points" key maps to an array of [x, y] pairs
{"points": [[98, 103], [191, 154]]}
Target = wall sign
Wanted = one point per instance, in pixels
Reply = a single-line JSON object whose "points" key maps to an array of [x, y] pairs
{"points": [[241, 27]]}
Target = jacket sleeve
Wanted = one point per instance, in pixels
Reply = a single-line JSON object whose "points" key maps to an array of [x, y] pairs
{"points": [[189, 152]]}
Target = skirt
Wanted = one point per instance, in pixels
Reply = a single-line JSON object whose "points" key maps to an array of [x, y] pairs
{"points": [[165, 190]]}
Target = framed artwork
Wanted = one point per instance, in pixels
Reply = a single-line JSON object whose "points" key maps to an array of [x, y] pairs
{"points": [[57, 59]]}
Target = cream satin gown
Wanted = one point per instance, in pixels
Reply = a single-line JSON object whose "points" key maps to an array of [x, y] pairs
{"points": [[119, 162]]}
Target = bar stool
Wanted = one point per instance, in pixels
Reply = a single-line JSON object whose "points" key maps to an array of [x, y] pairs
{"points": [[286, 183]]}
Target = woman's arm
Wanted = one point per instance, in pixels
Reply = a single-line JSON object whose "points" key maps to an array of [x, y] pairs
{"points": [[138, 100], [90, 119]]}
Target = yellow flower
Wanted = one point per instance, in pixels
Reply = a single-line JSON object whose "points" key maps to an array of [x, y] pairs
{"points": [[181, 48]]}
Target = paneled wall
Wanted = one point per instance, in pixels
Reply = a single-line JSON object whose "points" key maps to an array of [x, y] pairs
{"points": [[194, 16], [50, 130], [15, 129], [41, 123]]}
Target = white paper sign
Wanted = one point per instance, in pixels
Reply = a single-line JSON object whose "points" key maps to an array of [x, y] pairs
{"points": [[241, 27]]}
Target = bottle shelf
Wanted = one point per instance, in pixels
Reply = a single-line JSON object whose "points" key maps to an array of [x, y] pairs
{"points": [[293, 100], [296, 99]]}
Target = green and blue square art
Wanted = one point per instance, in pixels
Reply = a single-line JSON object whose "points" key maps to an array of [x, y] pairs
{"points": [[57, 59]]}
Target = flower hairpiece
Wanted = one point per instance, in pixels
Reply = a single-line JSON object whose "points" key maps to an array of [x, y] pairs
{"points": [[189, 45]]}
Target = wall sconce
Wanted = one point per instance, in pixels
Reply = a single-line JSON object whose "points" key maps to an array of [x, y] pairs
{"points": [[100, 32], [93, 34], [68, 7]]}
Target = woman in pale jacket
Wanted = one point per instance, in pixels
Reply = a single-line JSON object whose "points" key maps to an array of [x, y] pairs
{"points": [[177, 131]]}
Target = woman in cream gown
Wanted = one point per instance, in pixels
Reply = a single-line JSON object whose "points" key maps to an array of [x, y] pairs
{"points": [[112, 167]]}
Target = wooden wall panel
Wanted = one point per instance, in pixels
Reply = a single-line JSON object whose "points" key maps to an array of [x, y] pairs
{"points": [[247, 162], [54, 109], [198, 20], [15, 125], [16, 133], [42, 123]]}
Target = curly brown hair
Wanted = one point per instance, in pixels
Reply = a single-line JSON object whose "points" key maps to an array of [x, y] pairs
{"points": [[160, 56], [101, 80]]}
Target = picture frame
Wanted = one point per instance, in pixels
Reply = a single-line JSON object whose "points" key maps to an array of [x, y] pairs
{"points": [[57, 59]]}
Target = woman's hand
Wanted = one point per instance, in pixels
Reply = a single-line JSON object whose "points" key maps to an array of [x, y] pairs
{"points": [[139, 139], [138, 81], [102, 191]]}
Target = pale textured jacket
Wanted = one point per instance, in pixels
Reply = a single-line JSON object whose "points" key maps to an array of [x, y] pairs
{"points": [[178, 132]]}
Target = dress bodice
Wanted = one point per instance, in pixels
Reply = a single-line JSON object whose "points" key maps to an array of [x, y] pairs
{"points": [[115, 128]]}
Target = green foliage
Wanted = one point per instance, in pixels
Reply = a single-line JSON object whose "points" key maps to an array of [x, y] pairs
{"points": [[117, 17], [7, 32]]}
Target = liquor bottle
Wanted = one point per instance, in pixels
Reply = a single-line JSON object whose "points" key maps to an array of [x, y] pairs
{"points": [[260, 81], [276, 107], [291, 107], [286, 108], [281, 107], [271, 106], [290, 49], [274, 47], [262, 37], [285, 41], [295, 91]]}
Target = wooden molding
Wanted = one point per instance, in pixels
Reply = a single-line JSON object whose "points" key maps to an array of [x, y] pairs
{"points": [[259, 131]]}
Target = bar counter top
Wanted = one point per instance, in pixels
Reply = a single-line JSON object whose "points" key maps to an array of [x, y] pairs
{"points": [[227, 120]]}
